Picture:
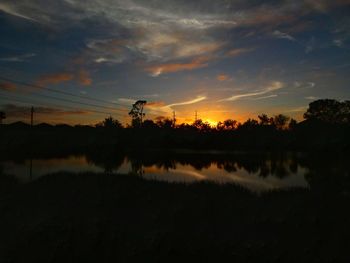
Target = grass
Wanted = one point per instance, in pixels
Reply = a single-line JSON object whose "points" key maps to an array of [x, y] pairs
{"points": [[103, 218]]}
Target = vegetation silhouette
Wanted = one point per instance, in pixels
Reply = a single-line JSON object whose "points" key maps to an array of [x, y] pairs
{"points": [[110, 123], [137, 113], [326, 127], [329, 111]]}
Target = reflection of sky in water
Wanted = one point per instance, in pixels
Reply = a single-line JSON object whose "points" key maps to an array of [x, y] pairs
{"points": [[252, 181], [182, 173]]}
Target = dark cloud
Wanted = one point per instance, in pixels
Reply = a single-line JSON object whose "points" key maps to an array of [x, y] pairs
{"points": [[55, 78], [7, 86], [81, 76]]}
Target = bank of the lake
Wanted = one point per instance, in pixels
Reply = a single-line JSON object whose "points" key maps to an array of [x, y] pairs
{"points": [[102, 217]]}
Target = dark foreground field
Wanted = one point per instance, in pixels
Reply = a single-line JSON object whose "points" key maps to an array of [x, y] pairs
{"points": [[123, 218]]}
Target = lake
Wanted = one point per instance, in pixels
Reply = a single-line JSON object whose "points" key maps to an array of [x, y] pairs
{"points": [[255, 172]]}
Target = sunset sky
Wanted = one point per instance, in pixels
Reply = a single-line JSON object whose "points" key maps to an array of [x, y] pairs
{"points": [[224, 58]]}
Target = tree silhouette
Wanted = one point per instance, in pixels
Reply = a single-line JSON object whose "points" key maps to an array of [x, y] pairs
{"points": [[345, 112], [165, 123], [230, 124], [250, 123], [292, 124], [202, 126], [265, 120], [149, 124], [280, 121], [110, 123], [137, 113], [326, 110]]}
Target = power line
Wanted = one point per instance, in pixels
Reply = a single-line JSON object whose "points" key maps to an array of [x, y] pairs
{"points": [[74, 95], [76, 102], [59, 91], [53, 105]]}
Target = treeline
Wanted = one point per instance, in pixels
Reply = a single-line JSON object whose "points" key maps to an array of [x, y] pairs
{"points": [[326, 127], [326, 111]]}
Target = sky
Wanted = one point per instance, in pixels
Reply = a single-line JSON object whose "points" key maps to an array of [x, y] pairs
{"points": [[79, 61]]}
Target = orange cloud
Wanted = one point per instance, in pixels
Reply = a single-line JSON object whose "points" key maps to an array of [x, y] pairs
{"points": [[222, 77], [7, 86], [54, 78], [238, 51], [84, 78], [199, 62]]}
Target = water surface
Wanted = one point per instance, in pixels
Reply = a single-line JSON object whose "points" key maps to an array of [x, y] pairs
{"points": [[257, 173]]}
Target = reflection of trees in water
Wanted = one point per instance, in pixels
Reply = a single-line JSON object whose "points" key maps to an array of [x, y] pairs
{"points": [[322, 170], [228, 166], [262, 164], [108, 161], [137, 166]]}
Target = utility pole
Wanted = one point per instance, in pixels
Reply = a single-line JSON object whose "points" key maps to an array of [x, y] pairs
{"points": [[174, 119], [195, 116], [32, 116]]}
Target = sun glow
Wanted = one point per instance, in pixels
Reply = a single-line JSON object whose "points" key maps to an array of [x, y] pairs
{"points": [[211, 122]]}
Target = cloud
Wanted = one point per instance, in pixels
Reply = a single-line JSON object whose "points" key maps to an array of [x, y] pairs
{"points": [[266, 97], [7, 86], [11, 10], [279, 34], [101, 60], [196, 100], [196, 63], [310, 45], [325, 5], [299, 109], [19, 58], [312, 98], [276, 85], [161, 108], [13, 110], [338, 42], [55, 78], [165, 32], [109, 50], [82, 77], [222, 77], [238, 51], [304, 85], [205, 23]]}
